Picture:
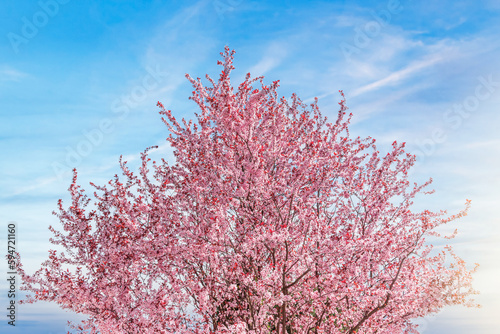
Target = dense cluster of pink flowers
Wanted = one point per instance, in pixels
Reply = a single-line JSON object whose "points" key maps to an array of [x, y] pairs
{"points": [[271, 221]]}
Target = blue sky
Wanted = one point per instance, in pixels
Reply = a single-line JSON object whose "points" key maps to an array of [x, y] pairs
{"points": [[79, 82]]}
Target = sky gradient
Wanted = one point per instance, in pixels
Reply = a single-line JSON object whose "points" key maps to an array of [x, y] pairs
{"points": [[79, 82]]}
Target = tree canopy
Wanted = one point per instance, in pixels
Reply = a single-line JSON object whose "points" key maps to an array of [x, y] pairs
{"points": [[271, 220]]}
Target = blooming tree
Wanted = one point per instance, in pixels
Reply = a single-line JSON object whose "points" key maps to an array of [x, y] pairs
{"points": [[271, 221]]}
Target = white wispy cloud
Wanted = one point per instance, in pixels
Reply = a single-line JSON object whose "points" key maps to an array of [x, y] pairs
{"points": [[274, 55], [399, 75], [8, 73]]}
